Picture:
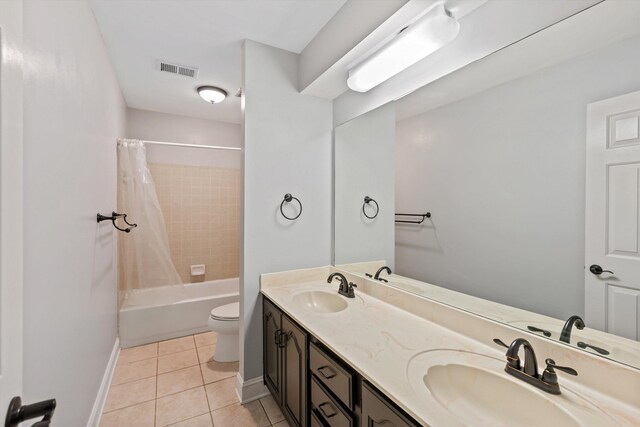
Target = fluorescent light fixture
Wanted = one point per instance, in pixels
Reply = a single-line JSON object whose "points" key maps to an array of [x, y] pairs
{"points": [[212, 94], [435, 29]]}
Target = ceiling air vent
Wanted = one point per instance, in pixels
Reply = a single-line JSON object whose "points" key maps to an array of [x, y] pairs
{"points": [[181, 70]]}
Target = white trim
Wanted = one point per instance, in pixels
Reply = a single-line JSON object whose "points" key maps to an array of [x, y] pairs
{"points": [[250, 390], [103, 391]]}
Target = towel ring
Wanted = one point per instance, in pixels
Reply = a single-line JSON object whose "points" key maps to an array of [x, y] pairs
{"points": [[288, 198], [367, 200]]}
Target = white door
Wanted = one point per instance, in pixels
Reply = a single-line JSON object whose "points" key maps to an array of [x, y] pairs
{"points": [[612, 299], [10, 202]]}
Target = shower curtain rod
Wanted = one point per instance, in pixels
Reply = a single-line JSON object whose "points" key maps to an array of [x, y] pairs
{"points": [[176, 144]]}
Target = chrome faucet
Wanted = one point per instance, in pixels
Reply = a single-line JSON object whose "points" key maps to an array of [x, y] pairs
{"points": [[548, 381], [565, 335], [377, 275], [346, 287]]}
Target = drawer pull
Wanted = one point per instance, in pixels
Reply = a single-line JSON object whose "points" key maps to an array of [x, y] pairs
{"points": [[276, 336], [332, 414], [331, 374], [284, 337]]}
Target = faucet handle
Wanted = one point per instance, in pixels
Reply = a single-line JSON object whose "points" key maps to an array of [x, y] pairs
{"points": [[500, 342], [551, 365]]}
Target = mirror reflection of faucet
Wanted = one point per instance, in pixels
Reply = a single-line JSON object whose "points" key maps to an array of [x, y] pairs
{"points": [[377, 275], [575, 320]]}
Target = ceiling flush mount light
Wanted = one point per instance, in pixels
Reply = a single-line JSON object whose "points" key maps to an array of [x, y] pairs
{"points": [[212, 94], [435, 29]]}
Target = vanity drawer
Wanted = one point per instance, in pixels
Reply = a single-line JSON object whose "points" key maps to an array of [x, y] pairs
{"points": [[326, 408], [377, 411], [331, 374]]}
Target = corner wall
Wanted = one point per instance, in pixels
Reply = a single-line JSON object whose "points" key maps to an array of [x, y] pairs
{"points": [[73, 113], [287, 149]]}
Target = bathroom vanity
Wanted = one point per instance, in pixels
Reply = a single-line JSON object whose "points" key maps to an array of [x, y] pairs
{"points": [[388, 357], [315, 387]]}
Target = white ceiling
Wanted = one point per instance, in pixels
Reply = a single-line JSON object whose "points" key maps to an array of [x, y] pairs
{"points": [[206, 34]]}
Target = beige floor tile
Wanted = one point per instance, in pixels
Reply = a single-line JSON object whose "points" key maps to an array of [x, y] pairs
{"points": [[249, 415], [215, 371], [208, 338], [130, 393], [134, 354], [199, 421], [175, 361], [282, 424], [176, 345], [271, 408], [205, 353], [181, 406], [135, 371], [141, 415], [180, 380], [221, 393]]}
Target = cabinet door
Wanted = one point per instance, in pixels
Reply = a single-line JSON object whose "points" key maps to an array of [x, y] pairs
{"points": [[377, 412], [294, 390], [272, 327]]}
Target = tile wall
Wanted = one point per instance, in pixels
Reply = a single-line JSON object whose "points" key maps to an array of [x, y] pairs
{"points": [[201, 208]]}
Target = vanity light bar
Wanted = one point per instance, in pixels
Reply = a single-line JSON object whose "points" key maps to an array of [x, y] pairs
{"points": [[434, 30]]}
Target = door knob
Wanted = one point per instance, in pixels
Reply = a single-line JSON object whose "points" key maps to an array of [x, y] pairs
{"points": [[597, 270]]}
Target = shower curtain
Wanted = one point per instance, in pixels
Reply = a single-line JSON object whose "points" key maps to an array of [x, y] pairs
{"points": [[145, 258]]}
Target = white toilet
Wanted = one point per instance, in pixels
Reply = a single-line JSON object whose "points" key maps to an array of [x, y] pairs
{"points": [[225, 321]]}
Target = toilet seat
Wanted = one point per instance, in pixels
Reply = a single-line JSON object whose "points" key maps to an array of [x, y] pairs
{"points": [[226, 313]]}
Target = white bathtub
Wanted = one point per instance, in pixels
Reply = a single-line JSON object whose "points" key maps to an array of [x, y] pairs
{"points": [[149, 321]]}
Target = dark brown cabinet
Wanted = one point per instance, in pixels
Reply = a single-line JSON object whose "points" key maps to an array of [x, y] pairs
{"points": [[272, 325], [294, 372], [315, 388], [377, 411], [285, 363]]}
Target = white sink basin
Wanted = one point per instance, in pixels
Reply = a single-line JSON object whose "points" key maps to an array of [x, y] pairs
{"points": [[321, 301], [471, 389], [476, 394]]}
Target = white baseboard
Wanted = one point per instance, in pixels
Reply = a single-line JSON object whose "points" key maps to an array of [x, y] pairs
{"points": [[250, 390], [103, 391]]}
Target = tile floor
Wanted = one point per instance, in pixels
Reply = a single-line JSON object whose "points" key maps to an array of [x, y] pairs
{"points": [[177, 383]]}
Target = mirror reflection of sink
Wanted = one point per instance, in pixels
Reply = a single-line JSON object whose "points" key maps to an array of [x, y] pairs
{"points": [[321, 301], [472, 389]]}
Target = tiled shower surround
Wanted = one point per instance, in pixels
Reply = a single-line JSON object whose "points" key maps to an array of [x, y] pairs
{"points": [[201, 208]]}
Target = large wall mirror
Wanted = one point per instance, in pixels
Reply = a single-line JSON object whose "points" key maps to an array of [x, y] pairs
{"points": [[521, 173]]}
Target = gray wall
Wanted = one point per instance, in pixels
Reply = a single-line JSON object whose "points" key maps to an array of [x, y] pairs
{"points": [[503, 174], [73, 113], [287, 142], [364, 166]]}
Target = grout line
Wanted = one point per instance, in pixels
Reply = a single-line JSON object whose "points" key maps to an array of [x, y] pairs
{"points": [[128, 406]]}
